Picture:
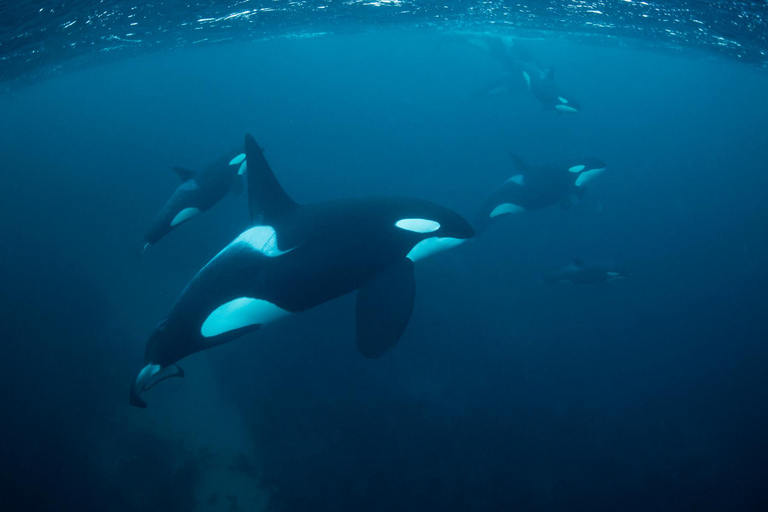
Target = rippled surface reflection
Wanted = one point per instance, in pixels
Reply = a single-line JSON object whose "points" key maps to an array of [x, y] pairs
{"points": [[39, 38]]}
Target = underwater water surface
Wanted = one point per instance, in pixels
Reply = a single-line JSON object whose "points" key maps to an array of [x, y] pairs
{"points": [[504, 393]]}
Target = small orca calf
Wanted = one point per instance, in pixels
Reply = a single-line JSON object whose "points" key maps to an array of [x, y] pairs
{"points": [[294, 257], [534, 188], [517, 60], [579, 273], [197, 193]]}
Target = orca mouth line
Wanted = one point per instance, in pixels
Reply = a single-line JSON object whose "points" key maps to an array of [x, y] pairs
{"points": [[149, 377], [135, 399]]}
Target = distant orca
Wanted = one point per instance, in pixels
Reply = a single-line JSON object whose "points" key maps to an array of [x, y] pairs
{"points": [[197, 193], [517, 60], [534, 188], [579, 273], [544, 88], [294, 257]]}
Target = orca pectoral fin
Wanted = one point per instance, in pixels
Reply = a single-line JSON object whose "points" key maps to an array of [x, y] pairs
{"points": [[574, 197], [574, 200], [184, 173], [571, 200], [237, 186], [495, 87], [520, 165], [384, 307]]}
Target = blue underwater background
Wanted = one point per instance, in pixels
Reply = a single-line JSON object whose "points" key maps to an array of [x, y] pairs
{"points": [[503, 394]]}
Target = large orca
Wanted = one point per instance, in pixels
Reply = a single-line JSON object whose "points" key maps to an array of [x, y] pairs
{"points": [[516, 61], [294, 257], [534, 188], [581, 273], [198, 192]]}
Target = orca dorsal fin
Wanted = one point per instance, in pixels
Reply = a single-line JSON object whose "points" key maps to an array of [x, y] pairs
{"points": [[578, 262], [549, 74], [184, 173], [266, 198], [520, 165]]}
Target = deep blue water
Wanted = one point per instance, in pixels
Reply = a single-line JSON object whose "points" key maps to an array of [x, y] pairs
{"points": [[503, 394]]}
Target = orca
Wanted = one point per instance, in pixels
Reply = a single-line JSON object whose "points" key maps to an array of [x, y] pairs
{"points": [[581, 273], [542, 84], [534, 188], [197, 193], [518, 62], [293, 257]]}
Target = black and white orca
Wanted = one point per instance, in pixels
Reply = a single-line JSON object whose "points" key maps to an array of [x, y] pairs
{"points": [[197, 193], [534, 188], [516, 61], [581, 273], [294, 257], [542, 84]]}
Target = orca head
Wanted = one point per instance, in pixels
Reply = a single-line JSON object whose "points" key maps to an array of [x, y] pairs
{"points": [[165, 346], [587, 169], [566, 105], [179, 208], [185, 332], [150, 375], [435, 232]]}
